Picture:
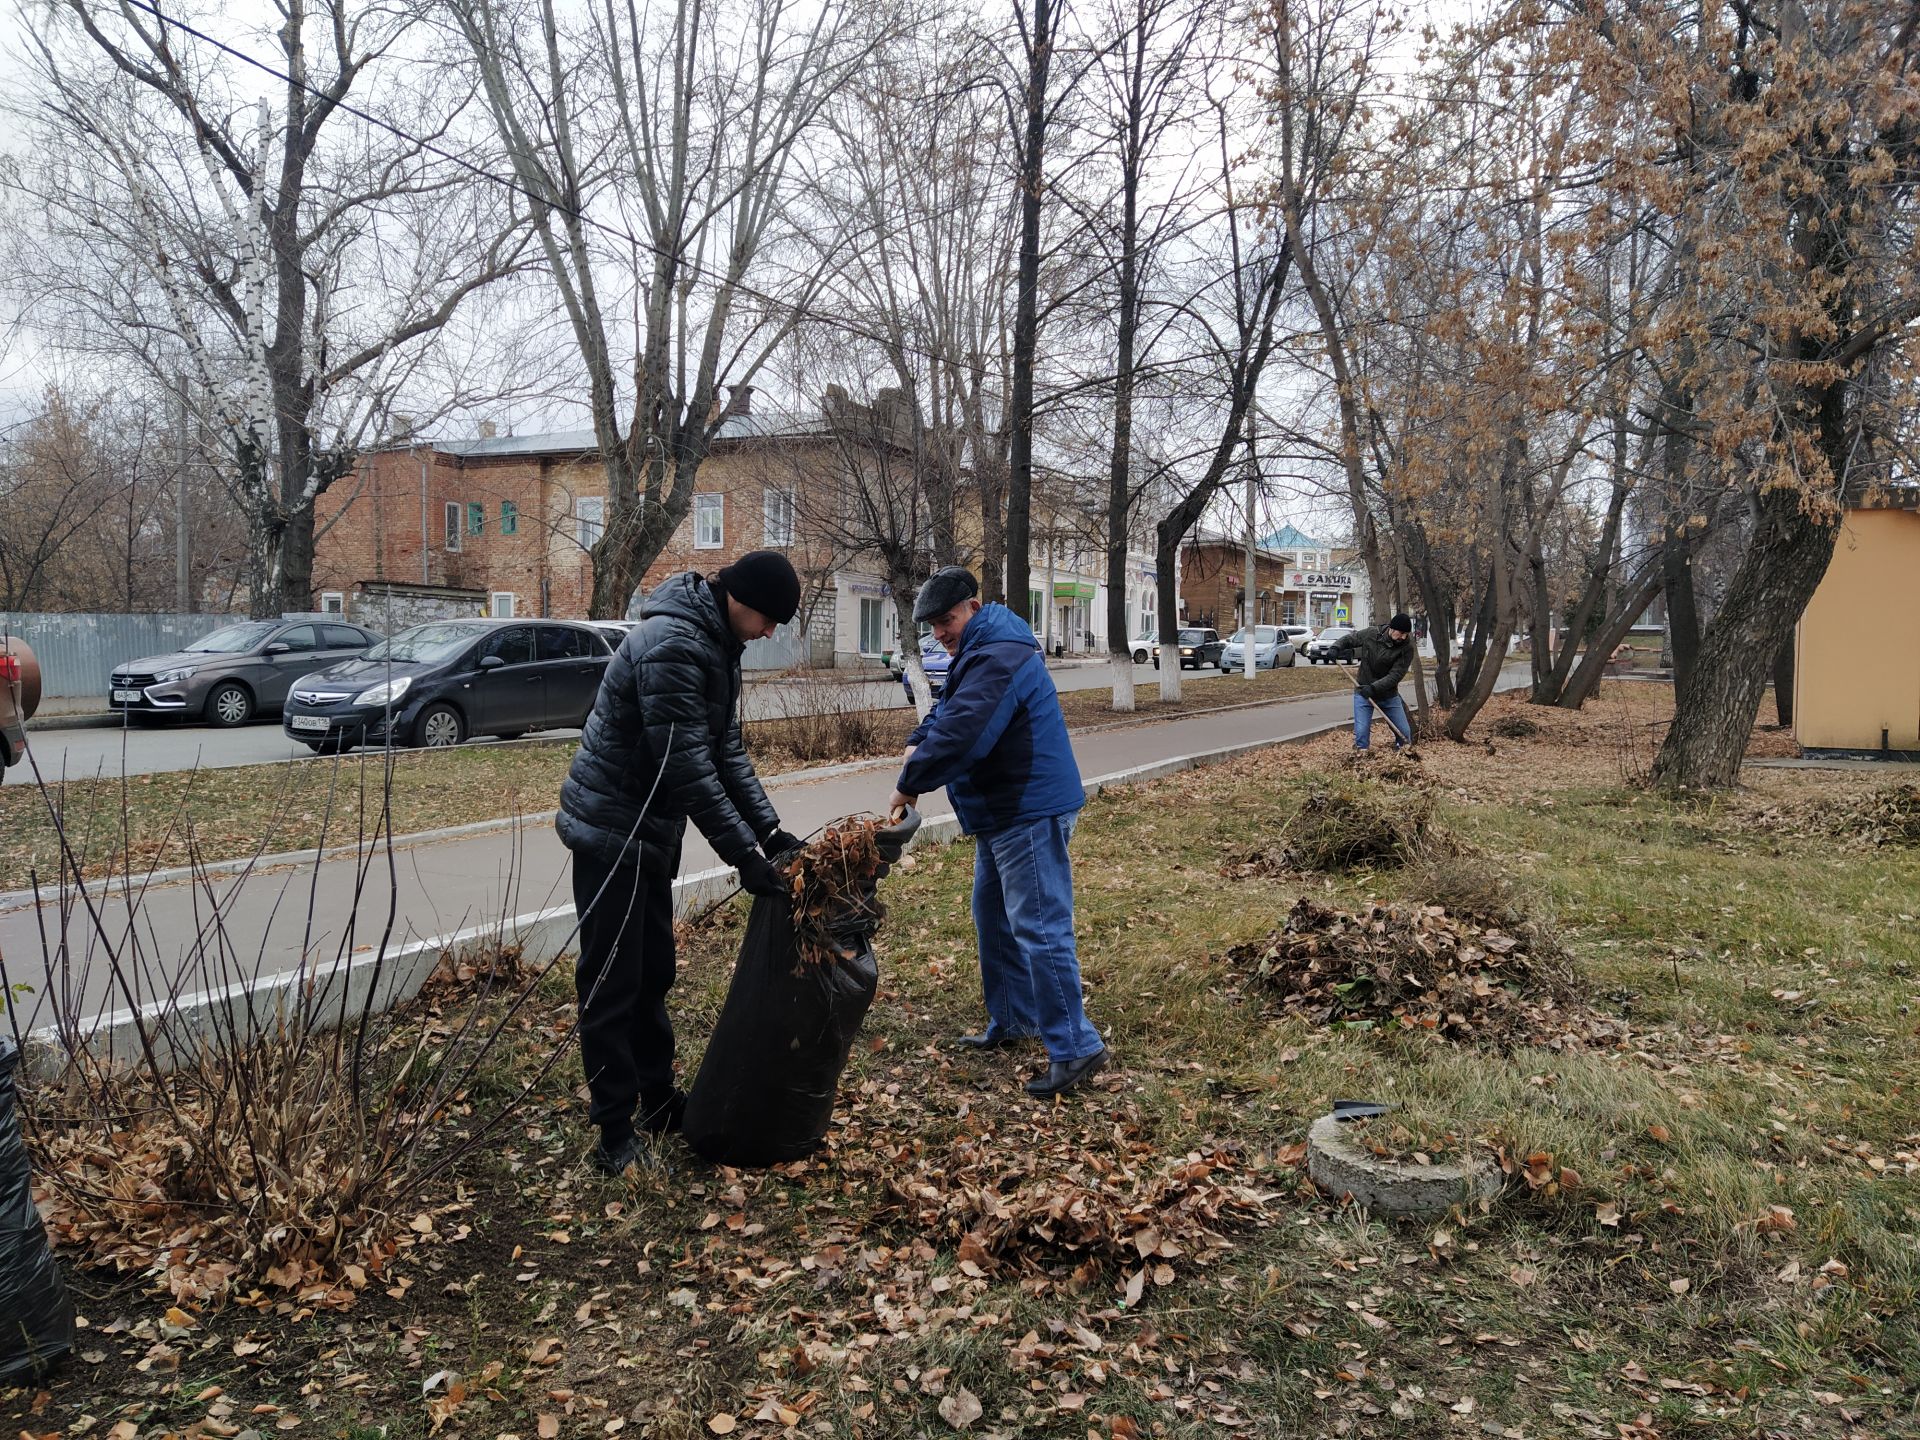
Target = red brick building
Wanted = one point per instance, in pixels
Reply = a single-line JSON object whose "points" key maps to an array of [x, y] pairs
{"points": [[1288, 590], [502, 525]]}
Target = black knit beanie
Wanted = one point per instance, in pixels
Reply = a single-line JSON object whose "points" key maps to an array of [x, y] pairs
{"points": [[763, 580], [1402, 622]]}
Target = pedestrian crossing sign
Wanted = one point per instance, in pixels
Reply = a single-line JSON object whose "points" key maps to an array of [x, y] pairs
{"points": [[1340, 614]]}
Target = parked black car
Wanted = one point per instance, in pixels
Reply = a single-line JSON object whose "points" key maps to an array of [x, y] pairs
{"points": [[237, 672], [1198, 647], [439, 683]]}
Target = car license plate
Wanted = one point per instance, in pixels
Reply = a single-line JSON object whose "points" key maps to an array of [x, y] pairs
{"points": [[126, 695], [309, 722]]}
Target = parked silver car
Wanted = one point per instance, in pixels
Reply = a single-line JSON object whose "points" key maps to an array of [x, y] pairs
{"points": [[237, 672], [1320, 649], [1271, 649]]}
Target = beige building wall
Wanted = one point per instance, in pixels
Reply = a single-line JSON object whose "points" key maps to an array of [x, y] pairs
{"points": [[1857, 656]]}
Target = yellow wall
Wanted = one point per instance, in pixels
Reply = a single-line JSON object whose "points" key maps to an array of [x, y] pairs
{"points": [[1857, 666]]}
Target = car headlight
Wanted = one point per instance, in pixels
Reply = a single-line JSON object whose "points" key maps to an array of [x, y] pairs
{"points": [[384, 694], [167, 677]]}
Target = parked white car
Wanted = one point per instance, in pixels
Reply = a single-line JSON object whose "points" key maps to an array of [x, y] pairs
{"points": [[1142, 645], [1271, 649], [1299, 636]]}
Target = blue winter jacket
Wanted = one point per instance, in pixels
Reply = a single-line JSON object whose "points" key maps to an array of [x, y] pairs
{"points": [[996, 738]]}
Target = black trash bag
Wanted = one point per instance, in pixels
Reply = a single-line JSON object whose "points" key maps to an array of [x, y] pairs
{"points": [[36, 1317], [766, 1086]]}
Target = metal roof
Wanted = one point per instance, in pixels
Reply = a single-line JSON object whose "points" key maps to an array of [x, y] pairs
{"points": [[759, 425]]}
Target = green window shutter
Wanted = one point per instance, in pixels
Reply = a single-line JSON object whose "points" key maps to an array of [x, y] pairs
{"points": [[476, 518], [509, 518]]}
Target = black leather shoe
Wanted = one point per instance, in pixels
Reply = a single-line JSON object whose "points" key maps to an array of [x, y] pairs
{"points": [[664, 1118], [613, 1158], [1063, 1075], [987, 1040]]}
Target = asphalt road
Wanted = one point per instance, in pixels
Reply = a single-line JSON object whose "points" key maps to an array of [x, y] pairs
{"points": [[152, 746]]}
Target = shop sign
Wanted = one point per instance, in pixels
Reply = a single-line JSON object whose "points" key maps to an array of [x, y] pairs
{"points": [[1318, 580]]}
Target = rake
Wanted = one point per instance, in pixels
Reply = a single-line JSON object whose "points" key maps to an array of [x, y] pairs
{"points": [[1405, 739]]}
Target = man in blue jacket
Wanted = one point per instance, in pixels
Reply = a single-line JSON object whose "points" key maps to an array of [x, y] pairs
{"points": [[998, 742]]}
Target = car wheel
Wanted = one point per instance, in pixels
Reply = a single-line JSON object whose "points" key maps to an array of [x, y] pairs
{"points": [[439, 727], [1293, 660], [229, 704], [1139, 657]]}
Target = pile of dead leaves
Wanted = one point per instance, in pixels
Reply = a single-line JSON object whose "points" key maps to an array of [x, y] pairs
{"points": [[1889, 815], [1344, 824], [1419, 968], [1050, 1202], [834, 886]]}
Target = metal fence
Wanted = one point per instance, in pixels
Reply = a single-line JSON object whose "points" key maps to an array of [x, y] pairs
{"points": [[78, 652]]}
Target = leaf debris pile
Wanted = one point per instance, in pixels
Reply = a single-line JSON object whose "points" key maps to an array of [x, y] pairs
{"points": [[835, 880], [1056, 1197], [1889, 815], [1346, 824], [1417, 967]]}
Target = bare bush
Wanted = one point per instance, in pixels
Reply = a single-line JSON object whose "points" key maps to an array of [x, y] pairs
{"points": [[821, 721], [234, 1127]]}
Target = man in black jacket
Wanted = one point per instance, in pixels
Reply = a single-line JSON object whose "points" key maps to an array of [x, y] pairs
{"points": [[1385, 653], [662, 745]]}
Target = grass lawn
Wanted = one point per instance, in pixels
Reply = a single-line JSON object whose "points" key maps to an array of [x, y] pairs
{"points": [[164, 820], [1720, 1238]]}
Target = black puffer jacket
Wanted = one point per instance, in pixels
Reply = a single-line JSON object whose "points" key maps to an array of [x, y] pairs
{"points": [[668, 710], [1383, 661]]}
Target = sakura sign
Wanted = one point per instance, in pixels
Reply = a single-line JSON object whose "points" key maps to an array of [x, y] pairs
{"points": [[1318, 580]]}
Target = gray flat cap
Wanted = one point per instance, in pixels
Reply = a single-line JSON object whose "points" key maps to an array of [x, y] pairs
{"points": [[945, 588]]}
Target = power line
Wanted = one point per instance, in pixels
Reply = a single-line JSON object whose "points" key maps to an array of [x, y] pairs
{"points": [[691, 266]]}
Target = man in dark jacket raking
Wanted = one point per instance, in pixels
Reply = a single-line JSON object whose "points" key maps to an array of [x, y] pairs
{"points": [[1385, 653], [662, 744], [997, 741]]}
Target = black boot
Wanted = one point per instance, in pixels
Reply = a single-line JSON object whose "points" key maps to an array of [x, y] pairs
{"points": [[616, 1151], [989, 1039], [1063, 1075]]}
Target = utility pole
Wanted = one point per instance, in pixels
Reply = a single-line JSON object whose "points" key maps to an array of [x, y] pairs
{"points": [[183, 517], [1248, 608]]}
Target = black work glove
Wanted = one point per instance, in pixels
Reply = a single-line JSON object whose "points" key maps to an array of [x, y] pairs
{"points": [[780, 842], [758, 877]]}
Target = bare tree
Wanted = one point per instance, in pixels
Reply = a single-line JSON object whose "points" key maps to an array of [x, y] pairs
{"points": [[293, 252], [1147, 93], [679, 120]]}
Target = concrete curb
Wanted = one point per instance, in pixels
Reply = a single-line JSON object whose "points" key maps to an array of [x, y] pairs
{"points": [[79, 720], [215, 869], [382, 982]]}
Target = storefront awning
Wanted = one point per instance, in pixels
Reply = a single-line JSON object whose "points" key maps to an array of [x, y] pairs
{"points": [[1073, 590]]}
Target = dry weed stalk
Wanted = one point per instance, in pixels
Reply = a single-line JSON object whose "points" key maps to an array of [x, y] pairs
{"points": [[267, 1129]]}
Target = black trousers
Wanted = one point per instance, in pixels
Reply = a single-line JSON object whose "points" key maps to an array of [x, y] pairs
{"points": [[626, 968]]}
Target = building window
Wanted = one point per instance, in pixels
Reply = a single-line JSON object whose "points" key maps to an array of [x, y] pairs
{"points": [[778, 525], [509, 518], [453, 526], [1146, 613], [871, 619], [590, 519], [502, 605], [476, 518], [332, 602], [708, 531]]}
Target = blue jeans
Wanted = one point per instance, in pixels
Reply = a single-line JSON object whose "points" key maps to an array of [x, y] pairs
{"points": [[1023, 914], [1363, 719]]}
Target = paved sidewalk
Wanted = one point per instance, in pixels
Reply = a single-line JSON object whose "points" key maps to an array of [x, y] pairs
{"points": [[419, 891]]}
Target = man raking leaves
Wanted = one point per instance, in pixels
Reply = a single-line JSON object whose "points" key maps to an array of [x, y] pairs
{"points": [[1385, 652]]}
